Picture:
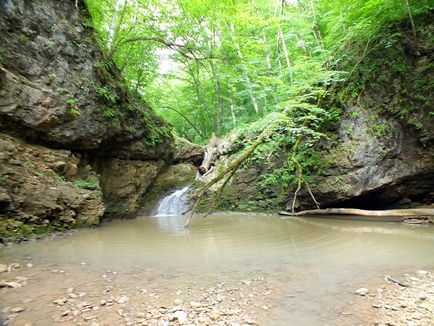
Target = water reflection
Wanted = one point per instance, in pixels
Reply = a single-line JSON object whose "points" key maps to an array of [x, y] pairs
{"points": [[172, 223]]}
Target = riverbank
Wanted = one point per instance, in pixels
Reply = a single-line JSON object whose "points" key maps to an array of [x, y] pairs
{"points": [[79, 295], [44, 295], [403, 300]]}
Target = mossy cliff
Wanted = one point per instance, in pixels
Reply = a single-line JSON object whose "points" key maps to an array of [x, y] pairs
{"points": [[75, 143], [380, 151]]}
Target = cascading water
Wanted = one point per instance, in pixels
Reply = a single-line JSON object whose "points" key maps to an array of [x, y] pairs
{"points": [[173, 204]]}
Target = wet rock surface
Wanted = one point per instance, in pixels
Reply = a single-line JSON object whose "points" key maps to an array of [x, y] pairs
{"points": [[124, 182], [185, 151], [170, 178]]}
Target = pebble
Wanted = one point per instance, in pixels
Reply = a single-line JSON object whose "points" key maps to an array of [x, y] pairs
{"points": [[214, 315], [123, 299], [17, 310], [90, 317], [422, 273], [60, 302], [195, 304], [362, 291], [13, 266], [14, 285], [178, 301], [181, 316], [3, 268]]}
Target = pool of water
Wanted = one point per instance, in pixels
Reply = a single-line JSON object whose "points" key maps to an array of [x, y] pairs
{"points": [[315, 263]]}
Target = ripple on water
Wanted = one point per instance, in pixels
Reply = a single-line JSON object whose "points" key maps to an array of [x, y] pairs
{"points": [[239, 240]]}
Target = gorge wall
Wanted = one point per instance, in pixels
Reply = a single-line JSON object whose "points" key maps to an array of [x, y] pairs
{"points": [[74, 144], [379, 155]]}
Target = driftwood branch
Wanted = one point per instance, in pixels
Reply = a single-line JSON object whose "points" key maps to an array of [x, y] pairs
{"points": [[412, 212], [396, 281]]}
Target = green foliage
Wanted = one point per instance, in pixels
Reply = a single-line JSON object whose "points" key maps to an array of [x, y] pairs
{"points": [[4, 177], [72, 102], [107, 93], [91, 183], [109, 112], [52, 76], [23, 38], [380, 129], [73, 108], [63, 91], [226, 64]]}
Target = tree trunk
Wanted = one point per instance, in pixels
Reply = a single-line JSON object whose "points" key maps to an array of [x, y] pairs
{"points": [[210, 155], [232, 106], [249, 82]]}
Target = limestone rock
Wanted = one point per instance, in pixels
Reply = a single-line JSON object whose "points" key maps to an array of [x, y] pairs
{"points": [[186, 151], [55, 95], [38, 193], [181, 316], [124, 182]]}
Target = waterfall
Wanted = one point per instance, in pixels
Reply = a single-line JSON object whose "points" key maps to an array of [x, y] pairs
{"points": [[173, 204]]}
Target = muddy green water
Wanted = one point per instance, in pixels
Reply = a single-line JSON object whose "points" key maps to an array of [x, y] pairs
{"points": [[315, 263]]}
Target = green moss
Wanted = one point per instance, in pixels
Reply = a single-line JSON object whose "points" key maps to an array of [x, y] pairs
{"points": [[12, 230], [90, 183], [23, 38]]}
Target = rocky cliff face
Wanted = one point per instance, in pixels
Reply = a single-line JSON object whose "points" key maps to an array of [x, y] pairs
{"points": [[40, 190], [381, 154], [74, 142], [56, 86]]}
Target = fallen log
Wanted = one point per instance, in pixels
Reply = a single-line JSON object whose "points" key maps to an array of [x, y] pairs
{"points": [[412, 212]]}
